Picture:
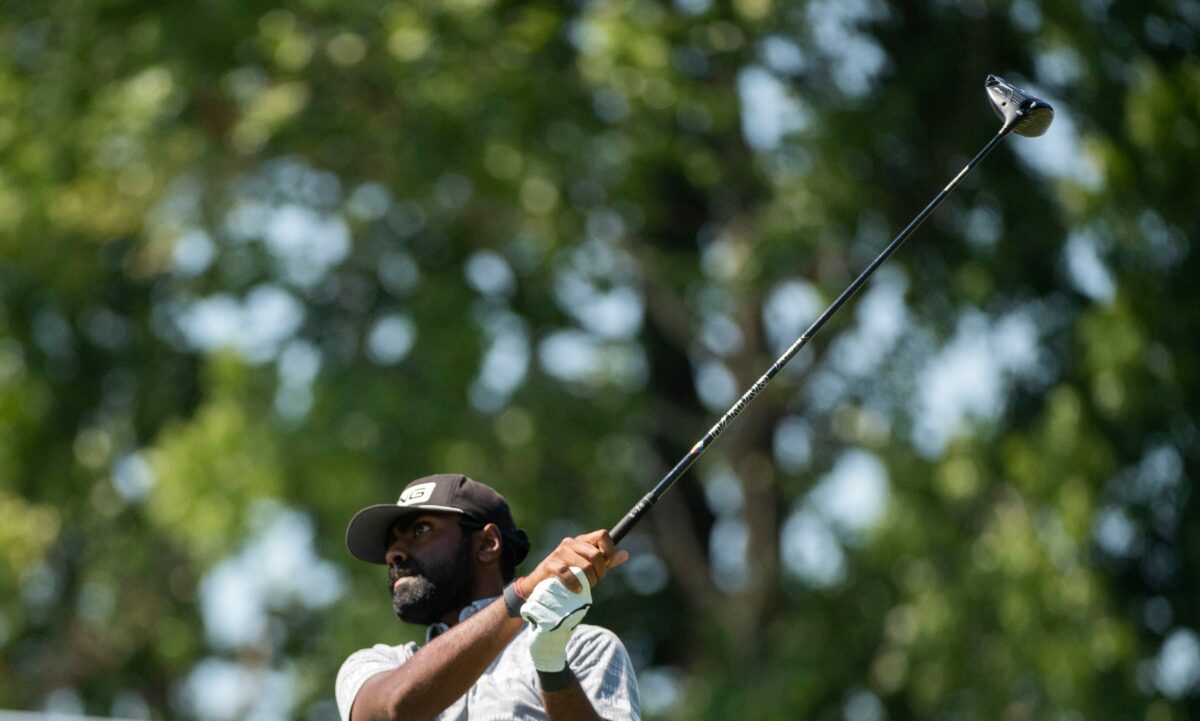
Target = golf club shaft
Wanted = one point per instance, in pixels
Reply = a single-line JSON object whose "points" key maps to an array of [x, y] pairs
{"points": [[647, 502]]}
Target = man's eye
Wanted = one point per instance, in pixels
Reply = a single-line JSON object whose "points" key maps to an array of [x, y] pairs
{"points": [[419, 528]]}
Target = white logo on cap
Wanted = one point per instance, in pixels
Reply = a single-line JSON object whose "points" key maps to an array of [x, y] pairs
{"points": [[416, 494]]}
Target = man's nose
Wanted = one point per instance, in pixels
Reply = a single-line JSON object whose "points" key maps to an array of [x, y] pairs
{"points": [[397, 553]]}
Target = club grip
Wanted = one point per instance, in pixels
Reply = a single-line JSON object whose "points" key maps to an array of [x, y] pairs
{"points": [[630, 520], [618, 532]]}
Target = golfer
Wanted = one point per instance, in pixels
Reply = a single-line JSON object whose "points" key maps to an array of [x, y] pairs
{"points": [[496, 648]]}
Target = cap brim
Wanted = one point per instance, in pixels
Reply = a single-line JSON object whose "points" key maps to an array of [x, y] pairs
{"points": [[368, 535]]}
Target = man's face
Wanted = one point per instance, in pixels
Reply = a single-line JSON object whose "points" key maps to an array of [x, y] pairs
{"points": [[430, 573]]}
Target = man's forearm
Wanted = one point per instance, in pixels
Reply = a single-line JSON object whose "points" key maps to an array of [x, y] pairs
{"points": [[565, 699], [441, 672]]}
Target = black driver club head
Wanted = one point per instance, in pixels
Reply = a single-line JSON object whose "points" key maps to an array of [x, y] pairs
{"points": [[1028, 114]]}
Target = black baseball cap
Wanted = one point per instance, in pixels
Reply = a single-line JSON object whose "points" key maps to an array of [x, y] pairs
{"points": [[369, 533]]}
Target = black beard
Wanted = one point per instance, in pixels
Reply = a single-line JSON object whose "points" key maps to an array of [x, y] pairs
{"points": [[432, 592]]}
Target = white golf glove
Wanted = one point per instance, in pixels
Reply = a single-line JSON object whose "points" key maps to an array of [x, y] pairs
{"points": [[554, 611]]}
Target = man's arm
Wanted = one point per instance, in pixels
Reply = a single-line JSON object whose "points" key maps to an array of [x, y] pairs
{"points": [[441, 672], [563, 696]]}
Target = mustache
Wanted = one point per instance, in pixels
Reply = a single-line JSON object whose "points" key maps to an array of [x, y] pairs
{"points": [[411, 568]]}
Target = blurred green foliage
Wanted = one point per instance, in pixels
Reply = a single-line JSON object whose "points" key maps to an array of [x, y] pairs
{"points": [[261, 265]]}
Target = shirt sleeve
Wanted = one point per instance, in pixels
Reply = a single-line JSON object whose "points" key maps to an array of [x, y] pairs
{"points": [[601, 663], [362, 665]]}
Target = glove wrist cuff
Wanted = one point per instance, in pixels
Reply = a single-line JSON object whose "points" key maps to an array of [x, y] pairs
{"points": [[556, 680]]}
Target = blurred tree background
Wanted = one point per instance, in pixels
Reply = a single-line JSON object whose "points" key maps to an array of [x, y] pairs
{"points": [[262, 264]]}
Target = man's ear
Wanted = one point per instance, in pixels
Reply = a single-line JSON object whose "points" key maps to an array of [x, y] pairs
{"points": [[489, 544]]}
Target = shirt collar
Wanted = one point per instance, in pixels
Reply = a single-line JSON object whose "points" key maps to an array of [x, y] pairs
{"points": [[437, 629]]}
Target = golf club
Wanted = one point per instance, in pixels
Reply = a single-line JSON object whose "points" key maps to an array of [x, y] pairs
{"points": [[1023, 114]]}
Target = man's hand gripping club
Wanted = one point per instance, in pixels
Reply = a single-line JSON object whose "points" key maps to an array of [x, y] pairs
{"points": [[562, 596], [554, 611]]}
